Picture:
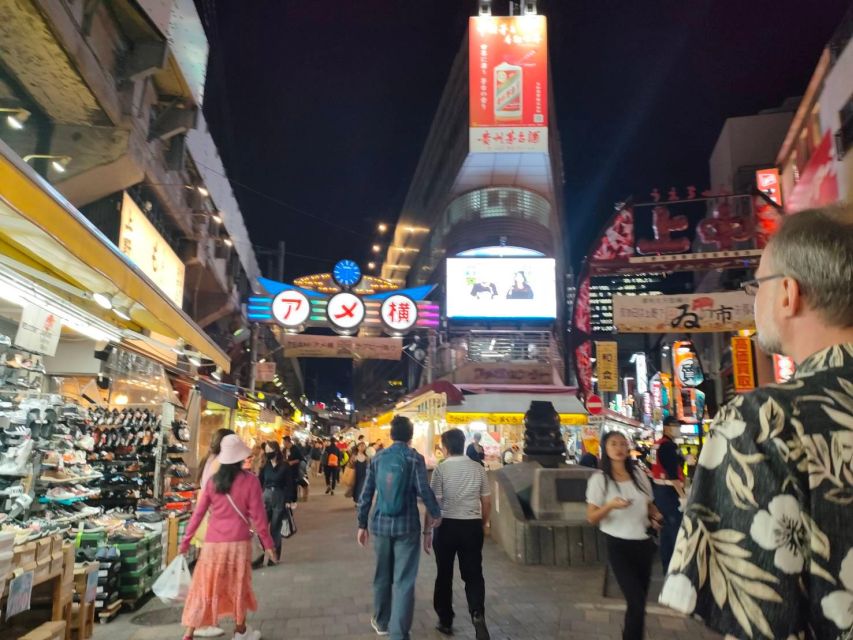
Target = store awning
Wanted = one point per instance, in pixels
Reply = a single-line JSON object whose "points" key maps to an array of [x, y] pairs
{"points": [[40, 229], [507, 402]]}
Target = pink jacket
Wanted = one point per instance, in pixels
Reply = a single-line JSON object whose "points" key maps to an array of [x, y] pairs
{"points": [[225, 524]]}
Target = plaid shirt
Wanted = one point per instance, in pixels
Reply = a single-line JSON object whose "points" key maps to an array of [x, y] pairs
{"points": [[409, 520]]}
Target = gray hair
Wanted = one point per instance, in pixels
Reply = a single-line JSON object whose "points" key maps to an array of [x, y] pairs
{"points": [[815, 247]]}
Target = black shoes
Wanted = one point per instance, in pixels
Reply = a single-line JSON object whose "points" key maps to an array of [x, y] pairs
{"points": [[445, 629], [480, 630]]}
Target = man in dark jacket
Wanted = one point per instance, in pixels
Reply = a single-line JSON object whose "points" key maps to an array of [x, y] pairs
{"points": [[332, 465], [475, 450], [668, 476]]}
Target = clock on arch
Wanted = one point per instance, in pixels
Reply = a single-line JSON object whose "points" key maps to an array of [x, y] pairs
{"points": [[346, 273]]}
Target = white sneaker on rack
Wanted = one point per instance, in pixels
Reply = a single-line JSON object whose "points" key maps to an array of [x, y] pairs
{"points": [[249, 634]]}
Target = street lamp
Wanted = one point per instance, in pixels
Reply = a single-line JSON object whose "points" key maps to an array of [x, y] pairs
{"points": [[382, 227], [57, 162], [376, 248], [16, 117]]}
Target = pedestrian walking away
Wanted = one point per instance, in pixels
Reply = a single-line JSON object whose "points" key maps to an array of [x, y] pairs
{"points": [[293, 458], [316, 458], [461, 487], [332, 466], [475, 450], [359, 462], [396, 476], [668, 486], [274, 478], [222, 579], [619, 501], [773, 486]]}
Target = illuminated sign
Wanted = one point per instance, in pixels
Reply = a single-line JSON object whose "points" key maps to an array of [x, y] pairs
{"points": [[783, 368], [688, 313], [345, 311], [399, 313], [607, 366], [140, 241], [291, 308], [688, 371], [458, 418], [742, 363], [508, 83], [516, 288]]}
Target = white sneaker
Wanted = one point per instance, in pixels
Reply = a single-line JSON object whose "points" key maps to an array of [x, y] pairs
{"points": [[250, 634], [379, 630], [209, 632]]}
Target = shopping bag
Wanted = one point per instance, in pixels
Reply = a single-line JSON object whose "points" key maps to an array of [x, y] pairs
{"points": [[348, 479], [173, 585], [288, 524]]}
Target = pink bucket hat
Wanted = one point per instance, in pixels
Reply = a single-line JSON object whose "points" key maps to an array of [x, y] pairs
{"points": [[232, 450]]}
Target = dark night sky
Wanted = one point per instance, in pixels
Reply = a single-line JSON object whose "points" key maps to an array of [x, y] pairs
{"points": [[324, 106]]}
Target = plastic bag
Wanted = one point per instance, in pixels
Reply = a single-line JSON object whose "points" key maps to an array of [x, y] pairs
{"points": [[288, 524], [173, 585]]}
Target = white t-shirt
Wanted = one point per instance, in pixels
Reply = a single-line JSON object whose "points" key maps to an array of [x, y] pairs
{"points": [[631, 522], [458, 484]]}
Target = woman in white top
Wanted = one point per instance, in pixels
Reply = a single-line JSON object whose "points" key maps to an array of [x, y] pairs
{"points": [[619, 501]]}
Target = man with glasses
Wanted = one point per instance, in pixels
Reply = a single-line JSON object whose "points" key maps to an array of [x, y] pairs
{"points": [[765, 549]]}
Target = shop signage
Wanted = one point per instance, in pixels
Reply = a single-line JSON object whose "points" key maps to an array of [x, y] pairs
{"points": [[140, 241], [594, 404], [688, 371], [291, 309], [265, 371], [783, 368], [20, 593], [641, 372], [399, 313], [742, 364], [38, 331], [607, 366], [345, 311], [688, 313], [508, 84], [768, 208], [818, 183], [313, 346], [507, 419], [497, 373]]}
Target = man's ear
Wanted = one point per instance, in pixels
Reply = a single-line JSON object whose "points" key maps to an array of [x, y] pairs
{"points": [[791, 297]]}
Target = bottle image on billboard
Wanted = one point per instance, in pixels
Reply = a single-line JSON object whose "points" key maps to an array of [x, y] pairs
{"points": [[508, 92]]}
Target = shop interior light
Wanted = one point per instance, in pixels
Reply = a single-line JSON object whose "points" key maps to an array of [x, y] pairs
{"points": [[180, 346], [228, 242], [202, 190], [194, 360], [16, 117], [371, 265], [102, 300], [122, 312], [59, 163], [382, 227], [216, 218], [217, 374], [376, 248]]}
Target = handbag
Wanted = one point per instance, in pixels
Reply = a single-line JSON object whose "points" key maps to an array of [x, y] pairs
{"points": [[348, 479], [257, 545], [288, 524]]}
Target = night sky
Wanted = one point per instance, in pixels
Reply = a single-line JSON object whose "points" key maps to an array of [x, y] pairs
{"points": [[320, 109]]}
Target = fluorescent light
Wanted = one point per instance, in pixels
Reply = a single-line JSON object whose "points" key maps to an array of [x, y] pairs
{"points": [[122, 313], [194, 360], [58, 166], [202, 190], [13, 122], [217, 374], [228, 242], [216, 218], [103, 300]]}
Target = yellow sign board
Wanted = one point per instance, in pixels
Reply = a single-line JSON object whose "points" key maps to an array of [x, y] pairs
{"points": [[454, 419], [607, 366]]}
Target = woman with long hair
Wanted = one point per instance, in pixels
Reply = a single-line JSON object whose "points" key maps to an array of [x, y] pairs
{"points": [[359, 462], [619, 501], [208, 466], [275, 480], [222, 580]]}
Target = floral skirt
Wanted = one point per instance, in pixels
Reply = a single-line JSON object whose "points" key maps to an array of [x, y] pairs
{"points": [[222, 585]]}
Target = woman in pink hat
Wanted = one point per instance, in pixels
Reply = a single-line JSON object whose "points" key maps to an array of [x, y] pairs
{"points": [[222, 580]]}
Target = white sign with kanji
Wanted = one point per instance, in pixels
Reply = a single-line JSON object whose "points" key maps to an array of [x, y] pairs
{"points": [[345, 311], [291, 308], [399, 313]]}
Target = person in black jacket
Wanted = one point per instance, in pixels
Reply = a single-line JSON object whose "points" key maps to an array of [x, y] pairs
{"points": [[332, 466], [475, 450], [274, 476]]}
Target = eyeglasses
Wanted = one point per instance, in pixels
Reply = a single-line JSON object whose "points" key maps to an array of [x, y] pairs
{"points": [[750, 287]]}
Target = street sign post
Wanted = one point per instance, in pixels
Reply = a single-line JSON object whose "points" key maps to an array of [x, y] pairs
{"points": [[594, 404]]}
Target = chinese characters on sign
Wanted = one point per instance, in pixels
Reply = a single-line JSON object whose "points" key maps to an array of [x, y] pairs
{"points": [[742, 364], [345, 311], [689, 313], [291, 308], [38, 331], [508, 83], [399, 313], [607, 366], [316, 346]]}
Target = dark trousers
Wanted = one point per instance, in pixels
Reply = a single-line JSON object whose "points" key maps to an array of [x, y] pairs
{"points": [[332, 475], [666, 500], [463, 538], [274, 506], [631, 561]]}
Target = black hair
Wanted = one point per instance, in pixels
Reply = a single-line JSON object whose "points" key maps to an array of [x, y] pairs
{"points": [[402, 429], [671, 421], [606, 465], [276, 452], [215, 447], [454, 441], [224, 477]]}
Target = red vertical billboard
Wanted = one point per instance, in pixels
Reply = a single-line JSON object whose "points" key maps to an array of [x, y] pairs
{"points": [[508, 84]]}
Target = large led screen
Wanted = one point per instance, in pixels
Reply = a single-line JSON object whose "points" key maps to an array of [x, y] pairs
{"points": [[522, 288]]}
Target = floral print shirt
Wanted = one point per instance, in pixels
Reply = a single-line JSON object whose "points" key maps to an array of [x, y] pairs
{"points": [[765, 548]]}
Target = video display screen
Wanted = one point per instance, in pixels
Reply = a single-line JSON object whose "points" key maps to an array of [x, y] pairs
{"points": [[510, 288]]}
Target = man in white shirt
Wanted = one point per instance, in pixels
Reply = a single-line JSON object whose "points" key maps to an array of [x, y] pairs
{"points": [[462, 488]]}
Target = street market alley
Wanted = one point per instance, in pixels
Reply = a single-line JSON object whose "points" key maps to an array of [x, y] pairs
{"points": [[323, 589]]}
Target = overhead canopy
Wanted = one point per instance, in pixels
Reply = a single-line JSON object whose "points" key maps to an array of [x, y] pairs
{"points": [[40, 229]]}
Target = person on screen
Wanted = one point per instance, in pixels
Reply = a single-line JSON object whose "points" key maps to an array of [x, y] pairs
{"points": [[520, 289], [484, 290]]}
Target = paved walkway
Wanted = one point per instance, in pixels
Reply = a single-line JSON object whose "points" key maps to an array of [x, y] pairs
{"points": [[323, 590]]}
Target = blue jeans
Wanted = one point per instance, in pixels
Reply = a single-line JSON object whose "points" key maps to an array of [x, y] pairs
{"points": [[397, 559], [668, 504]]}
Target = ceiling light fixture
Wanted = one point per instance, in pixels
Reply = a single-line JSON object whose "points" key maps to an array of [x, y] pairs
{"points": [[216, 218], [16, 117], [217, 374], [122, 312], [202, 190], [180, 346], [376, 248], [228, 242], [59, 163], [102, 301], [194, 360], [382, 227]]}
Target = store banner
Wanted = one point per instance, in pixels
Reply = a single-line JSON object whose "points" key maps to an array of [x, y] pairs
{"points": [[607, 366], [743, 364], [508, 419], [688, 313], [508, 84], [685, 363], [265, 371], [783, 368], [498, 373], [38, 331], [140, 241], [314, 346]]}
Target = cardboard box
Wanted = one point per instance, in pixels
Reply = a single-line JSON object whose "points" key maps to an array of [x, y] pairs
{"points": [[68, 563], [56, 562], [41, 573], [48, 631], [24, 554], [44, 547]]}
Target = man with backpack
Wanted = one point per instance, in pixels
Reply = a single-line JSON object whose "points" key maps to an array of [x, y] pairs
{"points": [[397, 475], [332, 466]]}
